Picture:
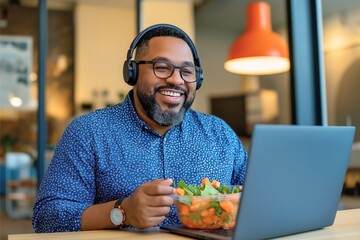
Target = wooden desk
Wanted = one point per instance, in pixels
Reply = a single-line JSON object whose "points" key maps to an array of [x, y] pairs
{"points": [[346, 227]]}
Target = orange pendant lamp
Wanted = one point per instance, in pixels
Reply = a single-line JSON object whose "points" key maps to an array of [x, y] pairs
{"points": [[259, 51]]}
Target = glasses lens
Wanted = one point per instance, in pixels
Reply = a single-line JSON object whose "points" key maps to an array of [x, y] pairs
{"points": [[188, 73], [162, 69], [165, 70]]}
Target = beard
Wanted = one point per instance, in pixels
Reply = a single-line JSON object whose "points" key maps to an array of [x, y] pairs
{"points": [[153, 109]]}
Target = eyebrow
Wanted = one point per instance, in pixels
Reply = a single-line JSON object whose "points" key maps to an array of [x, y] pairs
{"points": [[186, 63]]}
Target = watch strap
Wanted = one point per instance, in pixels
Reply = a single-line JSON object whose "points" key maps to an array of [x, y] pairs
{"points": [[118, 205], [118, 202]]}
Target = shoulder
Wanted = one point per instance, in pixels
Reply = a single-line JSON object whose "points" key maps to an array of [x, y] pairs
{"points": [[99, 116], [92, 122], [110, 116]]}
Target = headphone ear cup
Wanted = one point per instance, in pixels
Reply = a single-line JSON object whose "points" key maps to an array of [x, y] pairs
{"points": [[126, 71], [199, 80], [130, 72]]}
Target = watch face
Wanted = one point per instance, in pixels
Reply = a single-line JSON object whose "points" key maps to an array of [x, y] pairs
{"points": [[116, 216]]}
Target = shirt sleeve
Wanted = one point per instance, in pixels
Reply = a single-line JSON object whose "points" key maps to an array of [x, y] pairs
{"points": [[68, 187]]}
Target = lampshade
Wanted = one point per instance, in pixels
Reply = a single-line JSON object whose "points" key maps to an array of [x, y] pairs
{"points": [[259, 51]]}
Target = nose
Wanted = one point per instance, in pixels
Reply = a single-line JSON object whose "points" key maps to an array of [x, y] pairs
{"points": [[175, 78]]}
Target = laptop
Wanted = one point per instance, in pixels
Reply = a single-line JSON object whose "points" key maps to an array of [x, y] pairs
{"points": [[293, 182]]}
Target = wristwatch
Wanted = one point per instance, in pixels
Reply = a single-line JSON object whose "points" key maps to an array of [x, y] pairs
{"points": [[117, 214]]}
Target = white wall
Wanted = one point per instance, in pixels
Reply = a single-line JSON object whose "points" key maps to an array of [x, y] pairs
{"points": [[212, 46], [177, 12], [103, 36]]}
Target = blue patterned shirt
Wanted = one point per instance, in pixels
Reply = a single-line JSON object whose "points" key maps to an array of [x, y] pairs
{"points": [[108, 153]]}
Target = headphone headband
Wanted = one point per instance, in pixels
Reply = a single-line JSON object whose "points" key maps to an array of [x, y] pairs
{"points": [[130, 68]]}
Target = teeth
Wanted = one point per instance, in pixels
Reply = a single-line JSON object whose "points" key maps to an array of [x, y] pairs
{"points": [[171, 94]]}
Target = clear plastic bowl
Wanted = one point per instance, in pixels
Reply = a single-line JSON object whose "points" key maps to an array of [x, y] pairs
{"points": [[208, 212]]}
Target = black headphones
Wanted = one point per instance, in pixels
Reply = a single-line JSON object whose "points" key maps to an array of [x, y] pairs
{"points": [[130, 68]]}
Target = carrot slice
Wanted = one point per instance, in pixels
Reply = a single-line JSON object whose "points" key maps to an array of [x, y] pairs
{"points": [[183, 209], [211, 211], [215, 184], [204, 181], [227, 205], [180, 191]]}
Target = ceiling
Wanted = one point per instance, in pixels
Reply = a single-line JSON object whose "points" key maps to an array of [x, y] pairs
{"points": [[231, 14], [69, 4], [225, 14]]}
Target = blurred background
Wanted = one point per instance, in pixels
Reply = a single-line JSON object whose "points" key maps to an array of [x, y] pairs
{"points": [[87, 41]]}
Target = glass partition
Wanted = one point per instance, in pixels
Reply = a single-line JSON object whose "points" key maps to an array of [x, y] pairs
{"points": [[342, 68], [18, 108]]}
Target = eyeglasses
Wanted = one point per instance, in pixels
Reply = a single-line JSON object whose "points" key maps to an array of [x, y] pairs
{"points": [[165, 70]]}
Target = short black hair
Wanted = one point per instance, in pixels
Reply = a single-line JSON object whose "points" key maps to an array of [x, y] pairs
{"points": [[164, 31]]}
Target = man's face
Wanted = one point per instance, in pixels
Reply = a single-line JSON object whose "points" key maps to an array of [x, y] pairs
{"points": [[164, 101]]}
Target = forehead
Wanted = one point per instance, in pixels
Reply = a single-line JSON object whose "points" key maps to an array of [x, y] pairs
{"points": [[173, 48]]}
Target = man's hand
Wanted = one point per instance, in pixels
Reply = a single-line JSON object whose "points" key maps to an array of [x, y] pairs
{"points": [[149, 204]]}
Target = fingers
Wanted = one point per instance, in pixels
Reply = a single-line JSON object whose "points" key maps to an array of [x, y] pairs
{"points": [[158, 201], [153, 200], [157, 211], [150, 203], [149, 216], [156, 193], [157, 187], [167, 181], [160, 181], [141, 214], [148, 222]]}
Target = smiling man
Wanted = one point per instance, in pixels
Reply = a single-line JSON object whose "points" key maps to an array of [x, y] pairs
{"points": [[164, 91], [115, 167]]}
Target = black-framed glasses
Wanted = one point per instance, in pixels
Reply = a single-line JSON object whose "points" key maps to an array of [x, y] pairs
{"points": [[165, 70]]}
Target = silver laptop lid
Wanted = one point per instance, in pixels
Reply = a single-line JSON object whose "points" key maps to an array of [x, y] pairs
{"points": [[294, 179]]}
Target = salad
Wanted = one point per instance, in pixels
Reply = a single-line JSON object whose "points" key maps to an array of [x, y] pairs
{"points": [[209, 205]]}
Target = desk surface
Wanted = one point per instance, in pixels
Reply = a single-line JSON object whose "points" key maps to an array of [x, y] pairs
{"points": [[345, 227]]}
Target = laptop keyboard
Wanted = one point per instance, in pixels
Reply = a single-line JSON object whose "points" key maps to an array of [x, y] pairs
{"points": [[222, 232]]}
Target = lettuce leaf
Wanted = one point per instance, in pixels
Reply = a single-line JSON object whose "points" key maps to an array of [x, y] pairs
{"points": [[209, 190], [206, 190]]}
